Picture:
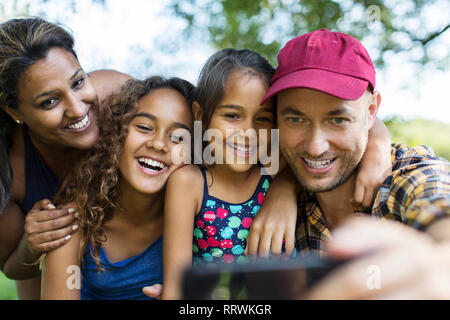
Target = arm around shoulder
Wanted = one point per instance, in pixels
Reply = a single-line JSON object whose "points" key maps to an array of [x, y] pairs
{"points": [[12, 222], [375, 165], [108, 82], [425, 192]]}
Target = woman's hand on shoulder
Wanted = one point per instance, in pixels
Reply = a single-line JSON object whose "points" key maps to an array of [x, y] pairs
{"points": [[48, 227]]}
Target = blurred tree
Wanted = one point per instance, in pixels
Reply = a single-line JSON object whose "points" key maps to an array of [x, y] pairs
{"points": [[20, 8], [420, 132], [415, 29], [412, 28], [13, 7], [392, 26]]}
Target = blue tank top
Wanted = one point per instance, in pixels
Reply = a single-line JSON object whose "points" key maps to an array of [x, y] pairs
{"points": [[221, 228], [40, 182], [122, 280]]}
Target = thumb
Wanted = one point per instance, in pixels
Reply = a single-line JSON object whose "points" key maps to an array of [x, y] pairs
{"points": [[153, 291], [364, 235], [44, 204]]}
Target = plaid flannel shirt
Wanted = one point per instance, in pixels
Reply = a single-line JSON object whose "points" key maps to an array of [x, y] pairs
{"points": [[416, 193]]}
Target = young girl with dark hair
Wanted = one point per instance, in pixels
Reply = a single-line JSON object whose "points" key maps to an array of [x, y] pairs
{"points": [[118, 189], [209, 209]]}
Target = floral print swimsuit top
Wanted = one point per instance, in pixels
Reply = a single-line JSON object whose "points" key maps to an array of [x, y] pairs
{"points": [[221, 228]]}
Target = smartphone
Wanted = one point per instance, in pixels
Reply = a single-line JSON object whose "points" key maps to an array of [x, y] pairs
{"points": [[260, 279]]}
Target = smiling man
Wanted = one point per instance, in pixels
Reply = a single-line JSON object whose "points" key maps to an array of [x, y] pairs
{"points": [[326, 104]]}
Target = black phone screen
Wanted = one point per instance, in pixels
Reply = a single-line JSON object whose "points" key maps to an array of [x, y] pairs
{"points": [[260, 279]]}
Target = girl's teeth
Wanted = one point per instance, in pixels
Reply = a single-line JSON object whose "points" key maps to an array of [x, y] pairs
{"points": [[152, 163], [318, 164], [80, 124], [243, 149]]}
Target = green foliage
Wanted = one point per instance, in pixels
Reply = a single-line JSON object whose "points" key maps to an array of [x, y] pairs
{"points": [[266, 25], [7, 288], [14, 7], [419, 131], [19, 8], [390, 26]]}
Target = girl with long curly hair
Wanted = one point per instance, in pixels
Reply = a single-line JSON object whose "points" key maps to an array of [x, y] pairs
{"points": [[118, 190], [48, 111]]}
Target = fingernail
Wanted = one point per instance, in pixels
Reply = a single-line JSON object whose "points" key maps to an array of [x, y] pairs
{"points": [[71, 210], [68, 237], [74, 227], [51, 206], [77, 214]]}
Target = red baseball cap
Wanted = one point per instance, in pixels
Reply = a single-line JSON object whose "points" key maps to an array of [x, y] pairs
{"points": [[332, 62]]}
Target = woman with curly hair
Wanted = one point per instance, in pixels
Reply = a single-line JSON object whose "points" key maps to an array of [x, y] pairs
{"points": [[118, 190], [48, 111]]}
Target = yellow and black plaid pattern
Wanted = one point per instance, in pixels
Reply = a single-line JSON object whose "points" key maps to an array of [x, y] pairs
{"points": [[417, 192]]}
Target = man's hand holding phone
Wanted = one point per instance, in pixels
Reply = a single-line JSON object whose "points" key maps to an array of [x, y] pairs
{"points": [[397, 262]]}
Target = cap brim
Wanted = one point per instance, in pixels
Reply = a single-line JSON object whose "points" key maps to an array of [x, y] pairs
{"points": [[335, 84]]}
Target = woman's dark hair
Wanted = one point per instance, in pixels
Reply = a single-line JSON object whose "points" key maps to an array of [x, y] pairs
{"points": [[5, 176], [93, 185], [211, 82], [22, 43]]}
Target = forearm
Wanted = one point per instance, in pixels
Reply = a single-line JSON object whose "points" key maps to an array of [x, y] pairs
{"points": [[21, 263], [177, 256], [379, 134], [284, 182], [375, 165], [108, 82], [173, 276], [440, 230], [427, 207], [177, 253], [379, 142]]}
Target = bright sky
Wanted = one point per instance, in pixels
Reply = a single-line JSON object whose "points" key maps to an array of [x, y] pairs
{"points": [[140, 38]]}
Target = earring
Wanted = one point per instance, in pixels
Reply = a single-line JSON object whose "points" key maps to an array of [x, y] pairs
{"points": [[18, 122]]}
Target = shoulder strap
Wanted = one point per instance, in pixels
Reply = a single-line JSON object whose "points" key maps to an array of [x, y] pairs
{"points": [[205, 183]]}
